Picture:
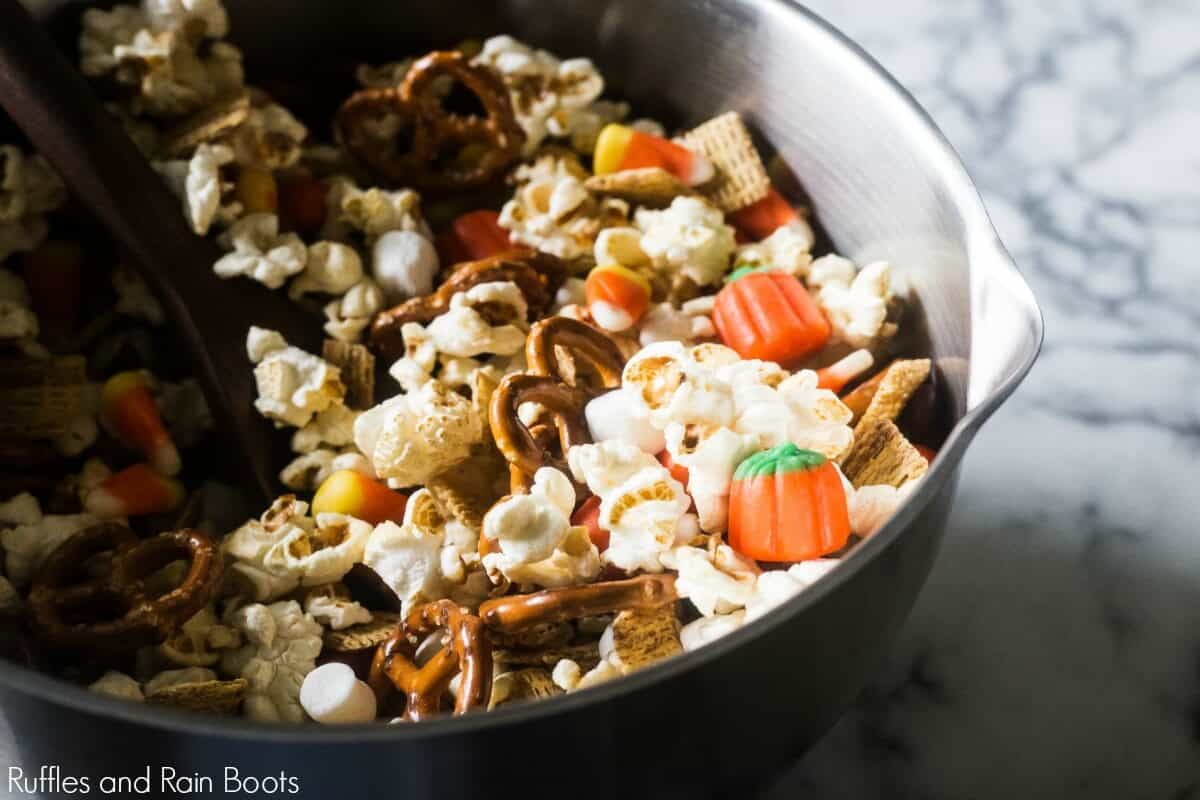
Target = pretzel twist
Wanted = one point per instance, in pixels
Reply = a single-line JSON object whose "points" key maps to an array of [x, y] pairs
{"points": [[371, 123], [115, 612], [519, 612], [467, 653], [537, 275]]}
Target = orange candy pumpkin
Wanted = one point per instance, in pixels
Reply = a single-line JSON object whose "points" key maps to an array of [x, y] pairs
{"points": [[787, 504], [769, 315]]}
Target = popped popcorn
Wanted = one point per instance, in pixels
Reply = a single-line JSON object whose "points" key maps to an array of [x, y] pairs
{"points": [[331, 268], [335, 611], [640, 503], [412, 437], [199, 183], [778, 586], [689, 237], [349, 315], [716, 582], [282, 647], [270, 138], [858, 310], [552, 212], [27, 545], [261, 252], [293, 385], [428, 557], [29, 190], [372, 212], [788, 248], [119, 685], [536, 543], [333, 426], [464, 332], [285, 548]]}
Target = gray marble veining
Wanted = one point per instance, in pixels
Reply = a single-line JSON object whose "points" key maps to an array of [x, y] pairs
{"points": [[1056, 650]]}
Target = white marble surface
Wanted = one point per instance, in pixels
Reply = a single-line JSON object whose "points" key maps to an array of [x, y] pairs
{"points": [[1056, 650]]}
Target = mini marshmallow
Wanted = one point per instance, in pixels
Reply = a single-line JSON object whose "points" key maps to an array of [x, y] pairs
{"points": [[332, 695], [618, 415], [404, 264]]}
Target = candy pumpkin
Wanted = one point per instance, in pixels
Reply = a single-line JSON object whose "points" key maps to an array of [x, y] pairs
{"points": [[769, 315], [787, 504]]}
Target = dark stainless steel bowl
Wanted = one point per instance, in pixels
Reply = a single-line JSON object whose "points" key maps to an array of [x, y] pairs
{"points": [[885, 184]]}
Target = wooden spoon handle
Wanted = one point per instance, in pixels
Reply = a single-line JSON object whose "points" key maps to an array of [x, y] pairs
{"points": [[56, 108]]}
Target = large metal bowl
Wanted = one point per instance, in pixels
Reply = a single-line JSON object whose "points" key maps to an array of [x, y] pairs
{"points": [[885, 184]]}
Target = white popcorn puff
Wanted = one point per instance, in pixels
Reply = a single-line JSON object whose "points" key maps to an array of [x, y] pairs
{"points": [[29, 189], [373, 212], [404, 264], [797, 411], [689, 237], [871, 506], [716, 582], [21, 509], [118, 685], [640, 503], [546, 93], [333, 427], [665, 323], [180, 14], [788, 248], [260, 252], [552, 212], [134, 298], [270, 138], [710, 458], [566, 674], [331, 268], [573, 292], [308, 471], [17, 319], [349, 315], [282, 647], [293, 385], [830, 270], [334, 612], [858, 312], [700, 632], [198, 182], [535, 539], [27, 546], [777, 586], [412, 437], [622, 245], [199, 640], [618, 415], [428, 557], [463, 332], [332, 695], [178, 677], [285, 548], [678, 384]]}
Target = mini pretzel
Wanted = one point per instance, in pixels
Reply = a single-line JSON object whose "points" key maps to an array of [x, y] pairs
{"points": [[520, 445], [115, 612], [520, 612], [371, 123], [550, 338], [467, 653], [537, 275]]}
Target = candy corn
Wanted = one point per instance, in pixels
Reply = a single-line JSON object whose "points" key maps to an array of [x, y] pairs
{"points": [[354, 494], [132, 492], [620, 147], [617, 297], [127, 409], [759, 220], [837, 375], [256, 190], [474, 235]]}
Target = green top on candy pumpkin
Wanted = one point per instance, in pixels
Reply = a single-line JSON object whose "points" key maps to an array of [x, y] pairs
{"points": [[783, 458]]}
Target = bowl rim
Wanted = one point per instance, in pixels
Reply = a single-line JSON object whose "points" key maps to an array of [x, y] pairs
{"points": [[980, 235]]}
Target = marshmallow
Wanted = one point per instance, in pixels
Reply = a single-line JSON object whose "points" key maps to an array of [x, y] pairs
{"points": [[404, 264], [618, 415], [332, 695]]}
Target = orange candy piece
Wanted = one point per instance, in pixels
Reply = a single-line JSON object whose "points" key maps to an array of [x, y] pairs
{"points": [[619, 147], [787, 504], [588, 515], [617, 296], [769, 315], [127, 409], [471, 237], [759, 220], [678, 471], [354, 494], [837, 375], [132, 492]]}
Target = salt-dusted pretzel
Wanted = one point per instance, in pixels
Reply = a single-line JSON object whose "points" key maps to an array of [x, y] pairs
{"points": [[520, 446], [115, 612], [467, 652], [549, 339], [537, 275], [519, 612], [373, 121]]}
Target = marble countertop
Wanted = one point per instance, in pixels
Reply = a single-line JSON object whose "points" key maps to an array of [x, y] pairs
{"points": [[1055, 652]]}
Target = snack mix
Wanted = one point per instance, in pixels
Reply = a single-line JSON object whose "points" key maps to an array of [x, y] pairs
{"points": [[587, 399]]}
